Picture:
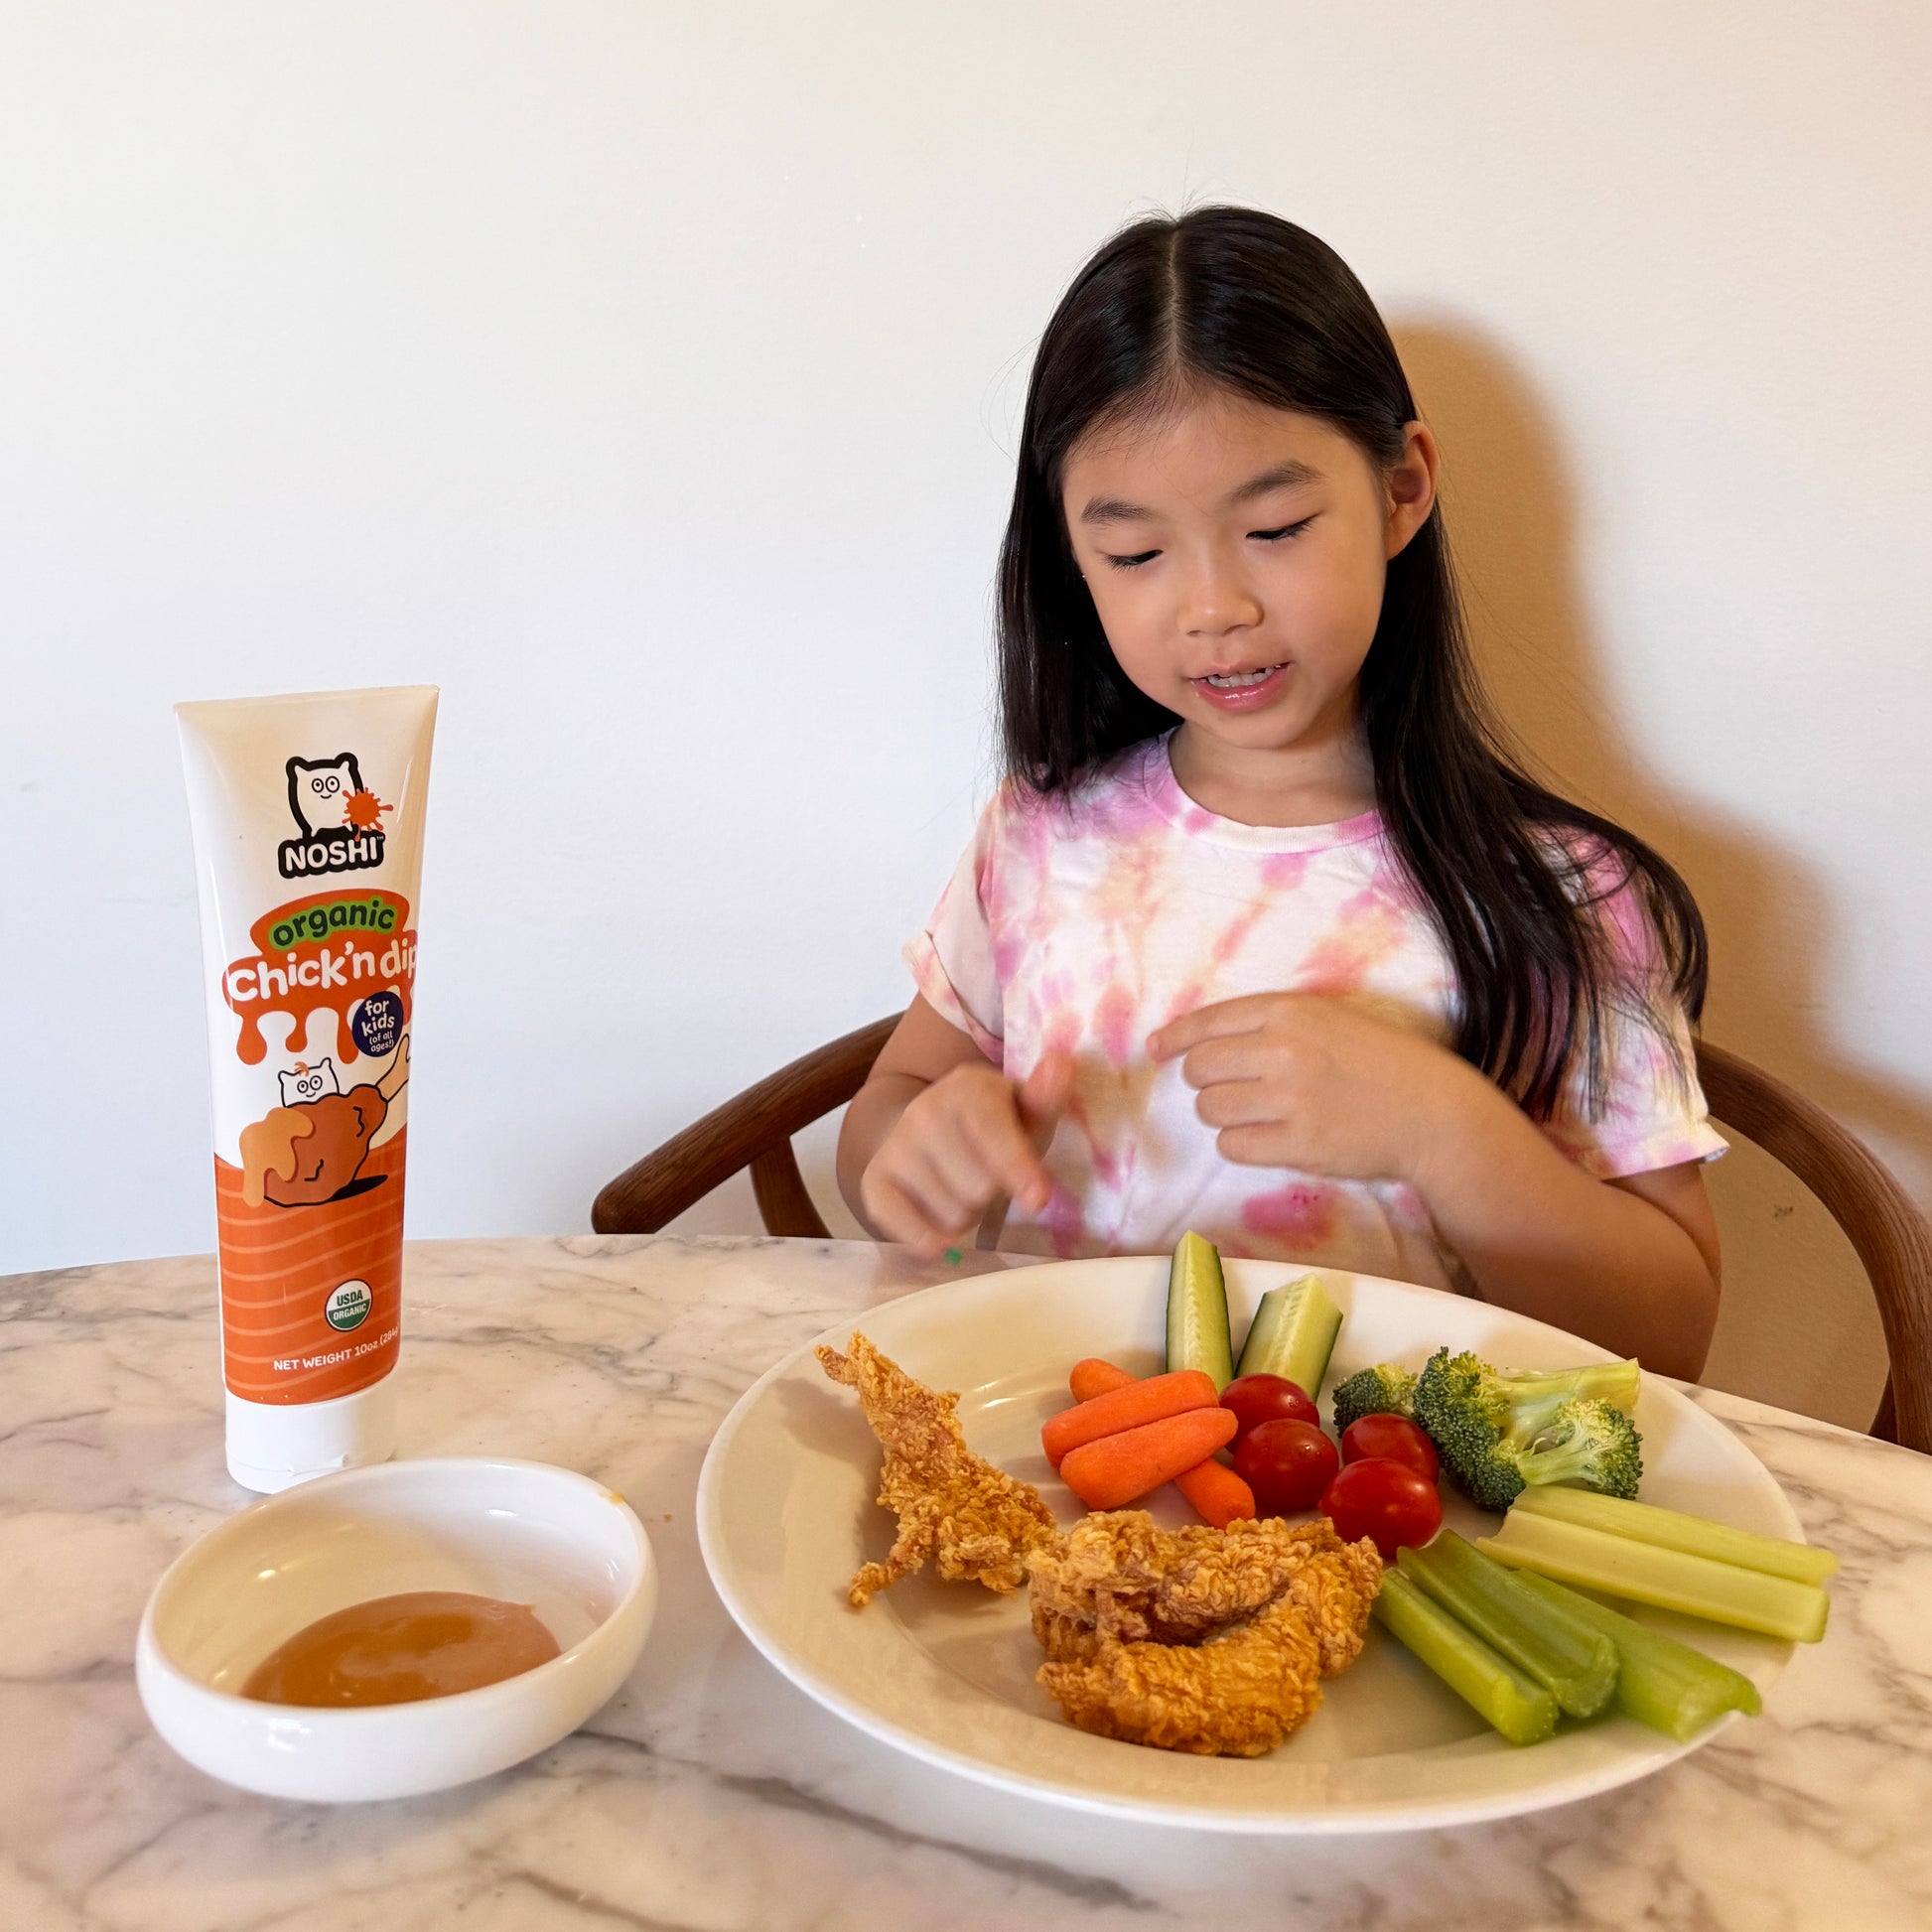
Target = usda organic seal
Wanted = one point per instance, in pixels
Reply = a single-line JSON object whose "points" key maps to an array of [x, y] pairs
{"points": [[348, 1306]]}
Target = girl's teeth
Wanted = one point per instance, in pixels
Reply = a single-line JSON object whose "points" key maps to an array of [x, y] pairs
{"points": [[1241, 678]]}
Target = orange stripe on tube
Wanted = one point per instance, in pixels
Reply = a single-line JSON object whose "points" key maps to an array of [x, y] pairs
{"points": [[282, 1269]]}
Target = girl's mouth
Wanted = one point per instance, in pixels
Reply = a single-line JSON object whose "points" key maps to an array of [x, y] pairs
{"points": [[1242, 690]]}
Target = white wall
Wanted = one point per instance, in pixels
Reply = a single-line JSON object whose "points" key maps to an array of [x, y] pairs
{"points": [[645, 376]]}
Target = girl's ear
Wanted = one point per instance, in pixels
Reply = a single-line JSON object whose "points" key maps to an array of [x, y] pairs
{"points": [[1411, 487]]}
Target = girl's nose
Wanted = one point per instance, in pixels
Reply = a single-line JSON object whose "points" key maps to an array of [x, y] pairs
{"points": [[1218, 602]]}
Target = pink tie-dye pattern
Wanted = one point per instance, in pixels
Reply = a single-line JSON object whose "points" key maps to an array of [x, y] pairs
{"points": [[1282, 872], [1082, 922], [1300, 1213], [1113, 1023], [1369, 928]]}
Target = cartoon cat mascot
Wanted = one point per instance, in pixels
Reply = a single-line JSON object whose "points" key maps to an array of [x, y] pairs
{"points": [[318, 792], [309, 1082]]}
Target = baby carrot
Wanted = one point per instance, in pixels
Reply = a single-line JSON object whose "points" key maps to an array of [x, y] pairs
{"points": [[1213, 1491], [1217, 1494], [1094, 1377], [1116, 1469], [1126, 1407]]}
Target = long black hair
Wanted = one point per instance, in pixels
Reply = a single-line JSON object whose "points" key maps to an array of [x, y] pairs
{"points": [[1513, 876]]}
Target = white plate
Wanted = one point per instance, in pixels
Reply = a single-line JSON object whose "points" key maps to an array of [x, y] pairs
{"points": [[945, 1671]]}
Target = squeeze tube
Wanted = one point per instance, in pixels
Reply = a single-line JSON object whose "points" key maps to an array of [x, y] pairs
{"points": [[308, 820]]}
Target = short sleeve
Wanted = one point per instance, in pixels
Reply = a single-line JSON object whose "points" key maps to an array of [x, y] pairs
{"points": [[952, 957], [1652, 1112]]}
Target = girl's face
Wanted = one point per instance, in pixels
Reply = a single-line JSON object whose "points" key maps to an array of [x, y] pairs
{"points": [[1236, 556]]}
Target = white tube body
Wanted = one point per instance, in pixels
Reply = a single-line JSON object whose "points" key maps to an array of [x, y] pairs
{"points": [[308, 822]]}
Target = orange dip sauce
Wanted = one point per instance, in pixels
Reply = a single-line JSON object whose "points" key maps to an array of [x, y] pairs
{"points": [[424, 1643]]}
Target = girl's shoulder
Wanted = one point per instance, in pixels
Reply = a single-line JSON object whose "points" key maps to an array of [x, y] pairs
{"points": [[1608, 882], [1108, 800]]}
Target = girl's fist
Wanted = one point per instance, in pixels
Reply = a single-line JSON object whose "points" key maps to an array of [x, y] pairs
{"points": [[970, 1137]]}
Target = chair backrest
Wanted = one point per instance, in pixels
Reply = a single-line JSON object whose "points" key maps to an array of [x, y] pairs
{"points": [[1886, 1231], [753, 1130]]}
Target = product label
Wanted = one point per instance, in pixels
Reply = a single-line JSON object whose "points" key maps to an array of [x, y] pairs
{"points": [[329, 951], [312, 1296], [311, 1219]]}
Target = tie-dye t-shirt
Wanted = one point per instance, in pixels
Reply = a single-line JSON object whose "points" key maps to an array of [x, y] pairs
{"points": [[1087, 921]]}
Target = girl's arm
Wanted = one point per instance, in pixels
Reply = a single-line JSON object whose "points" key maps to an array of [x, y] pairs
{"points": [[1297, 1080], [938, 1135], [1631, 1264]]}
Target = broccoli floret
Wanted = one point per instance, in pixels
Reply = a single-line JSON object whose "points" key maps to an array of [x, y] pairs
{"points": [[1462, 1414], [1384, 1390], [1484, 1419], [1582, 1441], [1489, 1476], [1589, 1443]]}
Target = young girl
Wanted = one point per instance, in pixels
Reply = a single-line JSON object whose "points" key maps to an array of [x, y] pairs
{"points": [[1265, 934]]}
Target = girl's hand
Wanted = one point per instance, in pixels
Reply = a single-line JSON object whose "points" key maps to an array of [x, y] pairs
{"points": [[968, 1139], [1310, 1081]]}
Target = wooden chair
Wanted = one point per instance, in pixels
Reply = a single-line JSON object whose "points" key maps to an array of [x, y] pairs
{"points": [[754, 1131], [1886, 1231]]}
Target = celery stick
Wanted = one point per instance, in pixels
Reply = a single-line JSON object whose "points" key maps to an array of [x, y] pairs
{"points": [[1669, 1578], [1523, 1711], [1577, 1664], [1803, 1563], [1660, 1682]]}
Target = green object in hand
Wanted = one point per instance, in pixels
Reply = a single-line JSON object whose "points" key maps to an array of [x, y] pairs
{"points": [[953, 1257]]}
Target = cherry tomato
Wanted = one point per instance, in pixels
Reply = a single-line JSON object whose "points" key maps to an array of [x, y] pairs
{"points": [[1387, 1501], [1390, 1437], [1267, 1398], [1287, 1463]]}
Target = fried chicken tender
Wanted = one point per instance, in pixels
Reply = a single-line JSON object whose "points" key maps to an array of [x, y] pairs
{"points": [[1235, 1697], [1116, 1575], [954, 1508], [1204, 1640]]}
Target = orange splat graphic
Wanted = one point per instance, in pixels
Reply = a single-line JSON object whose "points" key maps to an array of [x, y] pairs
{"points": [[364, 810]]}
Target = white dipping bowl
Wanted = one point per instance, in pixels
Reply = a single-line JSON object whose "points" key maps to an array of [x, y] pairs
{"points": [[523, 1532]]}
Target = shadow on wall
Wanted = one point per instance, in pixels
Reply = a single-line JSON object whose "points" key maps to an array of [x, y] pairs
{"points": [[1799, 1326]]}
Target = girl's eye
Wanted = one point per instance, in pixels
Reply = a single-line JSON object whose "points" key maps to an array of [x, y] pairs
{"points": [[1286, 530], [1134, 563]]}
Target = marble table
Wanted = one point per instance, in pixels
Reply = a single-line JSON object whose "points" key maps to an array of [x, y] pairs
{"points": [[711, 1794]]}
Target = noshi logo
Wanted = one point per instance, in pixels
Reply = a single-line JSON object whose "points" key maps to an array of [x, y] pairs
{"points": [[342, 823]]}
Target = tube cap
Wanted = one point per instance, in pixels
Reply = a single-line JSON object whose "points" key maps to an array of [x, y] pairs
{"points": [[273, 1445]]}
